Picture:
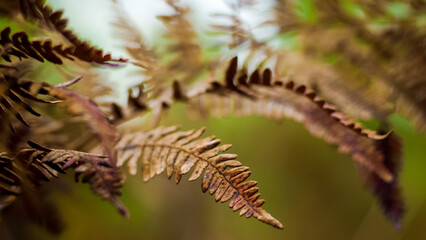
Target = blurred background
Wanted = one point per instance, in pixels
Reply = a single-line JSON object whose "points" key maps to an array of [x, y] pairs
{"points": [[311, 188]]}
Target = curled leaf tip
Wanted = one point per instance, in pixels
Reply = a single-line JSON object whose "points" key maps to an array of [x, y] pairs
{"points": [[376, 136], [69, 83]]}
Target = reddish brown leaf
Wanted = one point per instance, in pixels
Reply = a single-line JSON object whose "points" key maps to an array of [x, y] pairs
{"points": [[179, 152]]}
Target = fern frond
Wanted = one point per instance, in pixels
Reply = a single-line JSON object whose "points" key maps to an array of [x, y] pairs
{"points": [[105, 179], [95, 87], [44, 14], [327, 65], [187, 53], [186, 61], [20, 46], [391, 78], [9, 181], [142, 55], [331, 110], [354, 94], [260, 94], [43, 164], [93, 116], [15, 94], [385, 57], [185, 64], [176, 152], [242, 85], [389, 194], [239, 36], [235, 30], [137, 103]]}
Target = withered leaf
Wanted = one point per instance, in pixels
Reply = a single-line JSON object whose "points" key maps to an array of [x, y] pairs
{"points": [[167, 149]]}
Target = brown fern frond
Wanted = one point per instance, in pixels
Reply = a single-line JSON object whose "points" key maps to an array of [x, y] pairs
{"points": [[260, 94], [43, 164], [8, 177], [356, 93], [185, 64], [20, 46], [47, 131], [391, 78], [156, 76], [95, 87], [93, 116], [326, 64], [44, 14], [105, 179], [331, 110], [384, 57], [176, 152], [238, 33], [241, 37], [187, 59], [15, 94], [142, 55], [137, 103], [389, 194], [240, 83], [407, 75], [9, 181]]}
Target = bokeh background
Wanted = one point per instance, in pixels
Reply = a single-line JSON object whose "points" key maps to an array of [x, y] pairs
{"points": [[311, 188]]}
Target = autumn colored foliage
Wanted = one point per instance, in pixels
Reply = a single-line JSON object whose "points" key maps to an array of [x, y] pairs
{"points": [[51, 127]]}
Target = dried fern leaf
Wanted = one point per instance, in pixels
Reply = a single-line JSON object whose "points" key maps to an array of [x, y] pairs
{"points": [[244, 82], [155, 75], [385, 58], [176, 152], [187, 53], [52, 20], [259, 94], [347, 89], [351, 88], [389, 194], [235, 31], [407, 85], [105, 179], [330, 109], [14, 96], [10, 185], [134, 41], [137, 103], [93, 116], [20, 46], [185, 62], [391, 78], [378, 155]]}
